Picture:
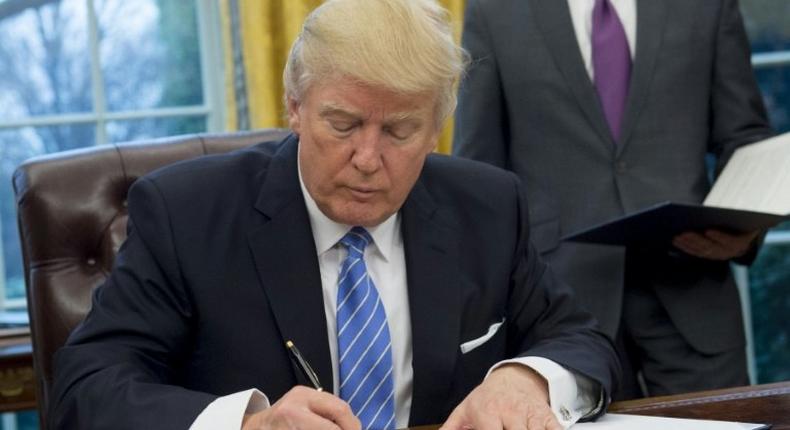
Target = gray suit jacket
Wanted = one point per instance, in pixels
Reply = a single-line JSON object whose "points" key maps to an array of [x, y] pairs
{"points": [[528, 105]]}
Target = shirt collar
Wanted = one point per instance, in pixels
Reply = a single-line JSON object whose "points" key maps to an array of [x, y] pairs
{"points": [[327, 233]]}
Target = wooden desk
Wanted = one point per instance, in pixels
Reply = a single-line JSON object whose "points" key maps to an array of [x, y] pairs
{"points": [[769, 404], [17, 382]]}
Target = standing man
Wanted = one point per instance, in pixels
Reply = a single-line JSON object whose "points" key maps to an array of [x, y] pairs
{"points": [[406, 279], [605, 107]]}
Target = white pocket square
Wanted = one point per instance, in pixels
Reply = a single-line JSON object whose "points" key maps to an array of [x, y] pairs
{"points": [[474, 343]]}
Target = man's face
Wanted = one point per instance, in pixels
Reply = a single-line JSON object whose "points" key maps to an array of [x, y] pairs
{"points": [[362, 147]]}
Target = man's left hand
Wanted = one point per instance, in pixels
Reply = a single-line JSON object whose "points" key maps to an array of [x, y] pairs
{"points": [[512, 397], [715, 244]]}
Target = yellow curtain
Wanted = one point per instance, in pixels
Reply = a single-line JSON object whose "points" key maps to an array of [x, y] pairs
{"points": [[257, 35]]}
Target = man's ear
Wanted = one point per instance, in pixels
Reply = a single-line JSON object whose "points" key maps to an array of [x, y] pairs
{"points": [[434, 139], [435, 143], [293, 115]]}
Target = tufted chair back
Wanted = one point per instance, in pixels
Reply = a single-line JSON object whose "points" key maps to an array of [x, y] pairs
{"points": [[72, 220]]}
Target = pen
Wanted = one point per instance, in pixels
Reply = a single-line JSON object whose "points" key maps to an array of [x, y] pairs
{"points": [[302, 363]]}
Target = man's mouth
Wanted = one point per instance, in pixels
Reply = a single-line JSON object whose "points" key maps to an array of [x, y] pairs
{"points": [[362, 193]]}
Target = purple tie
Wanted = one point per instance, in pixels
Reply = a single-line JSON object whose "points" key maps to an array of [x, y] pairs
{"points": [[611, 63]]}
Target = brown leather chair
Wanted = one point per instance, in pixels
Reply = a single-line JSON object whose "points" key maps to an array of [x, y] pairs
{"points": [[72, 220]]}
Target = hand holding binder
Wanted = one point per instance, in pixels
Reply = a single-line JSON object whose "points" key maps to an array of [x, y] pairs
{"points": [[751, 194], [715, 244]]}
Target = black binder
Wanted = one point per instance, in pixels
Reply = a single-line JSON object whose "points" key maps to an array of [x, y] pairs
{"points": [[655, 226]]}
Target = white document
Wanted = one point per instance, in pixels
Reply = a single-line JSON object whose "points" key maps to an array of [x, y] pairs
{"points": [[631, 422], [757, 178]]}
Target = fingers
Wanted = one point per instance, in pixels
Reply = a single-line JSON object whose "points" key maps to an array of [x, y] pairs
{"points": [[494, 405], [467, 416], [305, 408], [286, 417], [527, 419], [336, 410], [715, 244], [299, 420], [463, 418], [740, 242], [695, 244], [456, 419]]}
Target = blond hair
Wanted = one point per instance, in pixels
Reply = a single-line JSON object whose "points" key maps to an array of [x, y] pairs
{"points": [[401, 45]]}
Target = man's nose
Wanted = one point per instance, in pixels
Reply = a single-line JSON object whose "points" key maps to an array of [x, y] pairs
{"points": [[367, 151]]}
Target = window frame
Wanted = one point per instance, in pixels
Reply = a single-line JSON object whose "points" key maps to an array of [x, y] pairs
{"points": [[212, 108]]}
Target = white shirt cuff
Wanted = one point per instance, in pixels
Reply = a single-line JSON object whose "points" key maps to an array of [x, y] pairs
{"points": [[571, 396], [228, 411]]}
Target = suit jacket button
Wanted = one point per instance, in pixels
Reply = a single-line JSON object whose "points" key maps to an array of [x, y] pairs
{"points": [[620, 167]]}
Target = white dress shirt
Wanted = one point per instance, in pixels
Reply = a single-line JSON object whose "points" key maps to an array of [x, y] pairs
{"points": [[581, 15], [571, 396]]}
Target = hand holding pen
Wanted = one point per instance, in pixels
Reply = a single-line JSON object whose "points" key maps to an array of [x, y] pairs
{"points": [[304, 407]]}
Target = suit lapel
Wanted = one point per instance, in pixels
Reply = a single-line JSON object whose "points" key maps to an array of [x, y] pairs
{"points": [[434, 302], [284, 253], [651, 19], [554, 21]]}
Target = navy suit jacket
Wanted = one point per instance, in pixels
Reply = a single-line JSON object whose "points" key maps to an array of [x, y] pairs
{"points": [[220, 268]]}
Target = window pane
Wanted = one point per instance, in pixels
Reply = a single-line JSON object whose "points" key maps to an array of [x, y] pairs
{"points": [[783, 226], [27, 420], [769, 279], [149, 53], [43, 63], [768, 24], [17, 145], [775, 85], [128, 130]]}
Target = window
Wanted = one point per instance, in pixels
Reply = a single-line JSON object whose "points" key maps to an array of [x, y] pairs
{"points": [[77, 73], [768, 25]]}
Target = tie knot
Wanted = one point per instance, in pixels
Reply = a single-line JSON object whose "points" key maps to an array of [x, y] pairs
{"points": [[356, 240]]}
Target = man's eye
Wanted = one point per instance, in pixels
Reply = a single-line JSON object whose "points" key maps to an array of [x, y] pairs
{"points": [[342, 127], [400, 133]]}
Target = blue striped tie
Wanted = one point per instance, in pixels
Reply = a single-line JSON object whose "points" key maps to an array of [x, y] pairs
{"points": [[363, 340]]}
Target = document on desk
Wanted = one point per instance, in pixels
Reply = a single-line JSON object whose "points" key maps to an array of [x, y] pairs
{"points": [[751, 193], [631, 422]]}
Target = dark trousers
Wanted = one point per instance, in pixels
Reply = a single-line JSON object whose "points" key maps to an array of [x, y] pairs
{"points": [[657, 360]]}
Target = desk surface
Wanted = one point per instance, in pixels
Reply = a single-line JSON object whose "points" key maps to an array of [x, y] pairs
{"points": [[768, 404], [17, 382]]}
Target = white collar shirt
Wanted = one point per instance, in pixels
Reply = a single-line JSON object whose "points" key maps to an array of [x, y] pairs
{"points": [[581, 16]]}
